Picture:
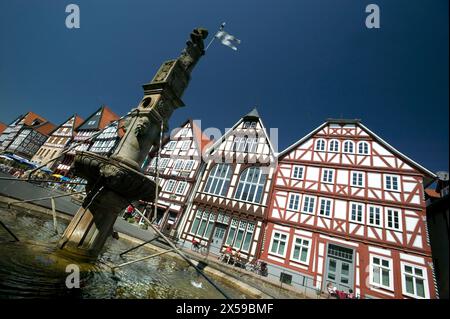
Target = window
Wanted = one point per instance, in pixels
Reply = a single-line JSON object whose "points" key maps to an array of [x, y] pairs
{"points": [[348, 147], [328, 176], [251, 185], [171, 145], [393, 219], [252, 144], [414, 281], [203, 224], [381, 272], [162, 163], [294, 202], [91, 122], [374, 215], [320, 145], [218, 180], [245, 144], [179, 164], [297, 172], [356, 214], [363, 148], [391, 182], [334, 146], [358, 179], [240, 237], [325, 207], [181, 188], [300, 251], [184, 131], [185, 145], [189, 165], [170, 185], [249, 124], [308, 204], [278, 245]]}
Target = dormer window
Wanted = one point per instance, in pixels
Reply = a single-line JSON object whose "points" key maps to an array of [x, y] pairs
{"points": [[36, 122]]}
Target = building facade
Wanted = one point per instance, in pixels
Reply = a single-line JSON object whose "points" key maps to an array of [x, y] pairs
{"points": [[348, 209], [179, 167], [96, 122], [232, 195], [25, 135], [438, 224], [57, 141], [106, 142]]}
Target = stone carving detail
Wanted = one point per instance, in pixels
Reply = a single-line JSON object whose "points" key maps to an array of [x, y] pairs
{"points": [[142, 126], [194, 49]]}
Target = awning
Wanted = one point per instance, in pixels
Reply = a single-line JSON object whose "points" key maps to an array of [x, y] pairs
{"points": [[22, 160]]}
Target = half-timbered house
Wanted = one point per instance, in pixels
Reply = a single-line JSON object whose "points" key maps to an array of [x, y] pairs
{"points": [[82, 141], [229, 205], [57, 141], [178, 168], [348, 209]]}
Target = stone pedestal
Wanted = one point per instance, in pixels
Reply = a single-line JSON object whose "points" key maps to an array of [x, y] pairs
{"points": [[89, 229]]}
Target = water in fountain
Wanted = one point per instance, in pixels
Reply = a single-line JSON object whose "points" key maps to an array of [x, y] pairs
{"points": [[31, 268]]}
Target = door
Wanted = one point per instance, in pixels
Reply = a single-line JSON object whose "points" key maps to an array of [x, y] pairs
{"points": [[339, 267], [217, 239]]}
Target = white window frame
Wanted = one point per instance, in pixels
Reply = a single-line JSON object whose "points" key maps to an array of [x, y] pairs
{"points": [[368, 215], [185, 145], [298, 201], [301, 169], [313, 198], [362, 212], [323, 143], [190, 163], [171, 145], [332, 142], [182, 185], [308, 247], [391, 189], [169, 187], [257, 186], [348, 142], [325, 177], [272, 240], [363, 179], [322, 199], [178, 165], [358, 148], [424, 278], [391, 272], [225, 180], [386, 224]]}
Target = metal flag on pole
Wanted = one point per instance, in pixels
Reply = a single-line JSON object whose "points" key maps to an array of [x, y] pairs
{"points": [[225, 38]]}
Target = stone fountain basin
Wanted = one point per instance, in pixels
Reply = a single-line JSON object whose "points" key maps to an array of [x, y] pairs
{"points": [[114, 175]]}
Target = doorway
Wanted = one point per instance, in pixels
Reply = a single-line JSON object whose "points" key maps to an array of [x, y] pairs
{"points": [[340, 267], [217, 239]]}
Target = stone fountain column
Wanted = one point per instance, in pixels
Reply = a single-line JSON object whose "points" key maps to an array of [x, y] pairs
{"points": [[116, 181]]}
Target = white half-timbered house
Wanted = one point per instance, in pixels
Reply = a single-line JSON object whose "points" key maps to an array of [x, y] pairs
{"points": [[348, 209], [179, 167], [232, 196]]}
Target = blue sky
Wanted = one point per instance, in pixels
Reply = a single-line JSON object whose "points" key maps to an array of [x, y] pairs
{"points": [[300, 62]]}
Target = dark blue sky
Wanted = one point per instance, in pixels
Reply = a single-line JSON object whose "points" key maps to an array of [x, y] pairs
{"points": [[300, 62]]}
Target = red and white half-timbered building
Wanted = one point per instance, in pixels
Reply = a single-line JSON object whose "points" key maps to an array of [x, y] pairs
{"points": [[348, 208], [232, 195], [178, 168]]}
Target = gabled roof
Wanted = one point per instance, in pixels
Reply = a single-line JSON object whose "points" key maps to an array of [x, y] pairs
{"points": [[370, 133], [253, 114], [77, 121], [3, 126], [99, 119]]}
